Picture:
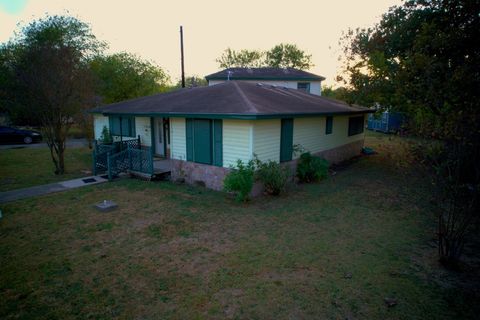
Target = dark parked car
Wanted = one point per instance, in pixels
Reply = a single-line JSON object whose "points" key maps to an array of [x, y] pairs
{"points": [[12, 135]]}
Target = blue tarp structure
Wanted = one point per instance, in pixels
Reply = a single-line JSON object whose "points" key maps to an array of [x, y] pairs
{"points": [[386, 122]]}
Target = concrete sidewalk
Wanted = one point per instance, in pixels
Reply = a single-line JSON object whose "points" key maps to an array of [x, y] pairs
{"points": [[18, 194]]}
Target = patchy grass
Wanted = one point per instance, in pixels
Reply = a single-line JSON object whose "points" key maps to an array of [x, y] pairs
{"points": [[26, 167], [332, 250]]}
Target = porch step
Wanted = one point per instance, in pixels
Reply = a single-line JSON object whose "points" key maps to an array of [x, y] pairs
{"points": [[140, 175], [149, 177]]}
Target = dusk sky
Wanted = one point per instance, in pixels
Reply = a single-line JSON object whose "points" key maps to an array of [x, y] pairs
{"points": [[151, 28]]}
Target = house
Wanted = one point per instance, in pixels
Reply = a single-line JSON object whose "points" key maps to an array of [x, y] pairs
{"points": [[281, 77], [205, 130]]}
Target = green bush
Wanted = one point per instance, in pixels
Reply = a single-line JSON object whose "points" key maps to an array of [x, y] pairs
{"points": [[106, 137], [240, 180], [311, 168], [273, 176]]}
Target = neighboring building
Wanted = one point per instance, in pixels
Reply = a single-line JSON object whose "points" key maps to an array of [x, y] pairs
{"points": [[280, 77], [205, 130]]}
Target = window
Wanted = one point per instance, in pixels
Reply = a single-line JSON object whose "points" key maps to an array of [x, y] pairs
{"points": [[329, 125], [304, 86], [122, 126], [355, 125], [286, 140], [204, 141]]}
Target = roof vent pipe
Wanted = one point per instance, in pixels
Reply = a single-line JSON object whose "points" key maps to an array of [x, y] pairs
{"points": [[229, 73]]}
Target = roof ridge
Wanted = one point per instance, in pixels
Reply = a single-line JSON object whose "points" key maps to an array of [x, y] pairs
{"points": [[247, 101]]}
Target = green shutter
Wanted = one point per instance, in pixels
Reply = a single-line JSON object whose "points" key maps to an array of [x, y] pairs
{"points": [[128, 126], [189, 138], [133, 129], [217, 143], [286, 140], [329, 125], [202, 141], [114, 123]]}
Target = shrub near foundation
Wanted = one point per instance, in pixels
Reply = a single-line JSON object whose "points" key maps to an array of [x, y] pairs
{"points": [[273, 176], [240, 180], [311, 168]]}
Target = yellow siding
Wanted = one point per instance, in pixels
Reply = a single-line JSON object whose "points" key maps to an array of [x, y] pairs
{"points": [[178, 143], [310, 133], [237, 141], [99, 122], [266, 142]]}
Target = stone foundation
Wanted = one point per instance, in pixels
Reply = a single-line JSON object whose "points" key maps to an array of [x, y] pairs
{"points": [[342, 153], [198, 174], [212, 176]]}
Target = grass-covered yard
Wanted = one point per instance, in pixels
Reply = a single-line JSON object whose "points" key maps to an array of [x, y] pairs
{"points": [[333, 250], [26, 167]]}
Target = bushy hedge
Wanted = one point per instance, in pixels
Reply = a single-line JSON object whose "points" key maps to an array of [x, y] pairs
{"points": [[311, 168], [240, 180], [273, 176]]}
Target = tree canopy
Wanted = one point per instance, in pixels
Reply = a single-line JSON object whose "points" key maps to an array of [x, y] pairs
{"points": [[423, 58], [280, 56], [123, 76]]}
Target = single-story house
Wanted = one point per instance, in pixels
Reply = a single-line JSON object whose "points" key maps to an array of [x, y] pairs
{"points": [[281, 77], [205, 130]]}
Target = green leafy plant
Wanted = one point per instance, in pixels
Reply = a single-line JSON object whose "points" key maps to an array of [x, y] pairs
{"points": [[240, 180], [311, 168], [106, 137], [273, 176]]}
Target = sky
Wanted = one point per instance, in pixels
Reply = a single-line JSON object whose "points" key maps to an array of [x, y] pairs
{"points": [[150, 28]]}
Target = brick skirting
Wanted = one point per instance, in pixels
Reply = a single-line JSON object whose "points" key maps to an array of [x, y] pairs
{"points": [[212, 176]]}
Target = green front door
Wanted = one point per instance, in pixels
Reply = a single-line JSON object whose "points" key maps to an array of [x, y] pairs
{"points": [[286, 140], [202, 141]]}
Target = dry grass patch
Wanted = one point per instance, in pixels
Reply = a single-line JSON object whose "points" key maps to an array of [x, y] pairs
{"points": [[330, 250]]}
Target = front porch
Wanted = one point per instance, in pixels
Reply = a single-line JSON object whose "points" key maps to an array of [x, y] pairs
{"points": [[129, 156]]}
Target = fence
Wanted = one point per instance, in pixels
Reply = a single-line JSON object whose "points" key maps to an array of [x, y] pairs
{"points": [[101, 152], [139, 160]]}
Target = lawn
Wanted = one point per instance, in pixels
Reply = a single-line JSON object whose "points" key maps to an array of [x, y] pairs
{"points": [[26, 167], [332, 250]]}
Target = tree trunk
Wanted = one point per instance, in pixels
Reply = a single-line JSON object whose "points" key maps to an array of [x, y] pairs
{"points": [[54, 157], [61, 161], [61, 155]]}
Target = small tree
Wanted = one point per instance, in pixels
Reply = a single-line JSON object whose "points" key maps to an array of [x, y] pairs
{"points": [[458, 194], [285, 55], [106, 137], [123, 76], [50, 76], [243, 59]]}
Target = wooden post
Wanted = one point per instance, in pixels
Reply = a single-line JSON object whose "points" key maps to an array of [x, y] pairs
{"points": [[94, 153], [109, 167], [151, 161], [129, 158], [139, 146]]}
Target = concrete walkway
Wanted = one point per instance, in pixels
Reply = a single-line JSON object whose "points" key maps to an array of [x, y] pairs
{"points": [[18, 194]]}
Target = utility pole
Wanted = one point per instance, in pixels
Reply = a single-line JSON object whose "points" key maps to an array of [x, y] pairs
{"points": [[181, 49]]}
